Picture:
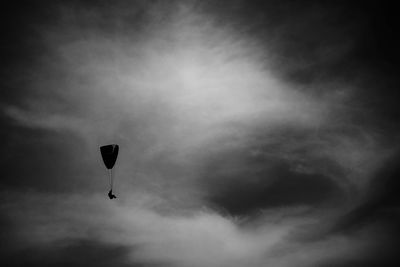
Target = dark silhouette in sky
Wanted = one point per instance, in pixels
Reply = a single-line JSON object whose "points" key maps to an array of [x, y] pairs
{"points": [[109, 154], [111, 195]]}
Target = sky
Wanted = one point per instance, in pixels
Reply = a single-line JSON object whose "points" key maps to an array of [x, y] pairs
{"points": [[251, 133]]}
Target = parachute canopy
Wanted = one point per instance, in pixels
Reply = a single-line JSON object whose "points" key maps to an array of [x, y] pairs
{"points": [[109, 154]]}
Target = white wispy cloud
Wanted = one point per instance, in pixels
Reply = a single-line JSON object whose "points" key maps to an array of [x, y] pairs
{"points": [[201, 238]]}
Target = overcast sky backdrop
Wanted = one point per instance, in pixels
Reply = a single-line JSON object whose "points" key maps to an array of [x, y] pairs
{"points": [[251, 133]]}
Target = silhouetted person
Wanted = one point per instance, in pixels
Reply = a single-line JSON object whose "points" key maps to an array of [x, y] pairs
{"points": [[111, 195]]}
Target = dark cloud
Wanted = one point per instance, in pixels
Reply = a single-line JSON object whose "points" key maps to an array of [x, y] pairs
{"points": [[74, 252], [382, 203], [249, 180], [243, 197], [43, 154]]}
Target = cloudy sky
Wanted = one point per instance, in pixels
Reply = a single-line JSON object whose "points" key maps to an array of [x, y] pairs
{"points": [[251, 133]]}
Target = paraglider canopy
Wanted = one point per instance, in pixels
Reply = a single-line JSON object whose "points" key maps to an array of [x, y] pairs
{"points": [[109, 154]]}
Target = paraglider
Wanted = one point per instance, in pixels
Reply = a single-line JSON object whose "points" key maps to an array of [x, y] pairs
{"points": [[109, 154], [111, 195]]}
